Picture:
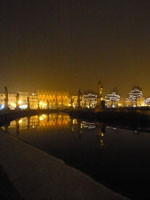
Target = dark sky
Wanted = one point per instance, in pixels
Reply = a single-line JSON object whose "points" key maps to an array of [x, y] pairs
{"points": [[71, 44]]}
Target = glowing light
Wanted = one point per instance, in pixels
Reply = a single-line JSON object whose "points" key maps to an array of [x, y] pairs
{"points": [[41, 118], [20, 121], [1, 106], [75, 121], [23, 106], [44, 116], [19, 102], [119, 104]]}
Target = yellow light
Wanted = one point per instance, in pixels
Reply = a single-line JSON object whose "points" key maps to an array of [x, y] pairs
{"points": [[19, 102], [41, 118], [75, 121], [20, 121], [119, 104]]}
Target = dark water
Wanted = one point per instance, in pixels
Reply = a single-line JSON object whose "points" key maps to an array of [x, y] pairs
{"points": [[118, 158]]}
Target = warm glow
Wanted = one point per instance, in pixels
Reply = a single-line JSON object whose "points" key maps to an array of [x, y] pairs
{"points": [[20, 121], [75, 121], [41, 118], [19, 102]]}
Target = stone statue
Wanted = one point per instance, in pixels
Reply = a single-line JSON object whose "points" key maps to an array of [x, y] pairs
{"points": [[6, 98], [17, 101], [79, 98], [28, 101]]}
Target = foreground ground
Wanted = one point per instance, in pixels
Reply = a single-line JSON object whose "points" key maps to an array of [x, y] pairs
{"points": [[33, 174]]}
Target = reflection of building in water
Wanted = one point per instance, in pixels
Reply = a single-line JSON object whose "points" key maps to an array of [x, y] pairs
{"points": [[41, 121], [87, 125], [54, 120]]}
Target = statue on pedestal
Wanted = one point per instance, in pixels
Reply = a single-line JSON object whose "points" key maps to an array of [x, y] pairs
{"points": [[100, 102], [17, 101], [28, 102], [6, 98], [79, 98]]}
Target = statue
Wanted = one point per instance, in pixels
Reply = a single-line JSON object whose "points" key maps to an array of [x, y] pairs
{"points": [[79, 98], [6, 98], [47, 104], [71, 101], [28, 102], [17, 101], [99, 105]]}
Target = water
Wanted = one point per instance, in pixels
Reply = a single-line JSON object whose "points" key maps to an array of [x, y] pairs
{"points": [[118, 158]]}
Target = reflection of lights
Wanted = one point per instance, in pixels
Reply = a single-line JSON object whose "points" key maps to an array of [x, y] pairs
{"points": [[75, 121], [87, 125], [101, 142], [108, 127], [135, 131], [102, 134], [54, 120]]}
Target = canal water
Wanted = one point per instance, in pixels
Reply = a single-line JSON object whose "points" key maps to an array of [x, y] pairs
{"points": [[118, 158]]}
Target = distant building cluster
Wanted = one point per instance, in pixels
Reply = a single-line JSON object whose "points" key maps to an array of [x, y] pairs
{"points": [[61, 99]]}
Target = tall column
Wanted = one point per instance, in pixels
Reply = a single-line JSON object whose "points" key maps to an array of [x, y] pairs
{"points": [[28, 102], [100, 93], [38, 104], [17, 101], [71, 101], [47, 104], [99, 96], [79, 98], [6, 98]]}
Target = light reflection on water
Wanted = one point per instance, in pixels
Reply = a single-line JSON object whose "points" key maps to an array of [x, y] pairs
{"points": [[117, 157]]}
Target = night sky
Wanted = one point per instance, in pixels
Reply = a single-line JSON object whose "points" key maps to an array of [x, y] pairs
{"points": [[71, 44]]}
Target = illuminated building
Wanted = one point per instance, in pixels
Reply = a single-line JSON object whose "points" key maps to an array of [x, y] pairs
{"points": [[54, 98], [89, 101], [112, 99], [134, 96]]}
